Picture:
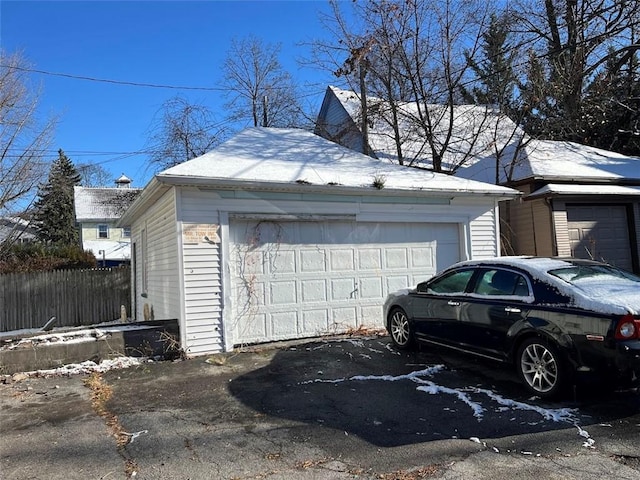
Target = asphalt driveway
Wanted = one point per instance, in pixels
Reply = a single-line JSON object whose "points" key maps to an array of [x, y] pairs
{"points": [[347, 407]]}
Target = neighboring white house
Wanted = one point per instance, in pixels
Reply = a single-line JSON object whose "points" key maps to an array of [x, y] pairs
{"points": [[279, 234], [97, 212], [16, 230]]}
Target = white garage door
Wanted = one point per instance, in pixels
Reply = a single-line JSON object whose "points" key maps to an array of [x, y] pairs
{"points": [[301, 279], [600, 232]]}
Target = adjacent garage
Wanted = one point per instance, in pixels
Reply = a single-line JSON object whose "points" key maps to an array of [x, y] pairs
{"points": [[279, 234], [600, 232]]}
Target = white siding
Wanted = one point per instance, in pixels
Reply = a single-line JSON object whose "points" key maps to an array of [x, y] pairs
{"points": [[561, 230], [484, 235], [208, 308], [157, 250], [203, 330]]}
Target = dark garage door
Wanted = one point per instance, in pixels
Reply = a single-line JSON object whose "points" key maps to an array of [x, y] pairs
{"points": [[600, 232]]}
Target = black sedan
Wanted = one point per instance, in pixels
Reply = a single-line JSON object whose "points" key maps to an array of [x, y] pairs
{"points": [[554, 319]]}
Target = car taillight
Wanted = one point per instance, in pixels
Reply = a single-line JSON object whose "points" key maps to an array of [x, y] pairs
{"points": [[628, 328]]}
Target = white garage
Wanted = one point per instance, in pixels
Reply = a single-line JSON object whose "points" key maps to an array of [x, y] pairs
{"points": [[279, 234], [310, 278]]}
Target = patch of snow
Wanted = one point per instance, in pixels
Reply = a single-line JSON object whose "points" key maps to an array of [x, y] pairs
{"points": [[583, 189], [69, 337], [90, 367]]}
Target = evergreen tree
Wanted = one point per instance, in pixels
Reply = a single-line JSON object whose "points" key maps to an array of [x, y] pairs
{"points": [[612, 108], [496, 78], [54, 218]]}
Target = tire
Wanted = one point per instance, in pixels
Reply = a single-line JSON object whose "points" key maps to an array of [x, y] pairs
{"points": [[541, 368], [401, 330]]}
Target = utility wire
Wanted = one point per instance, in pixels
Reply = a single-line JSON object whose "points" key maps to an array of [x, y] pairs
{"points": [[105, 80]]}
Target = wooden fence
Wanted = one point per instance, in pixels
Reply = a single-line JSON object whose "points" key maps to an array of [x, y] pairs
{"points": [[74, 297]]}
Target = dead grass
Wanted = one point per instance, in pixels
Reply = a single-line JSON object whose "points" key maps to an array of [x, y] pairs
{"points": [[363, 331], [413, 474], [101, 392]]}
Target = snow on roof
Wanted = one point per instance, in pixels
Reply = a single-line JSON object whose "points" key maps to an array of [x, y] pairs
{"points": [[581, 189], [490, 131], [113, 250], [275, 155], [102, 203], [556, 159], [477, 130]]}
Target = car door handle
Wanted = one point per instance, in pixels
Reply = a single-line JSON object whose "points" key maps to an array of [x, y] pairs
{"points": [[512, 310], [453, 304]]}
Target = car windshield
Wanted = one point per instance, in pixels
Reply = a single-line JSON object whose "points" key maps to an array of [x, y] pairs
{"points": [[597, 280]]}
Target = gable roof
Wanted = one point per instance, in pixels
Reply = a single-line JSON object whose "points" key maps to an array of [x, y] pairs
{"points": [[476, 130], [555, 161], [102, 204], [297, 157], [559, 161], [295, 160]]}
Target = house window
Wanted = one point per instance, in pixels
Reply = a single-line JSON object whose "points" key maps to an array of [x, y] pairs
{"points": [[103, 231], [126, 232]]}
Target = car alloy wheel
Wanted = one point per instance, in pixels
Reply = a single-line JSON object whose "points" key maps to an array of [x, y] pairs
{"points": [[400, 329], [539, 367]]}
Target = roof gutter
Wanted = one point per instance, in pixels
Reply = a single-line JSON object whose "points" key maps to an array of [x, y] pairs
{"points": [[235, 184], [564, 180]]}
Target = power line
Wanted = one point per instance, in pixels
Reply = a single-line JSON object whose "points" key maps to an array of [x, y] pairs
{"points": [[117, 82], [127, 82]]}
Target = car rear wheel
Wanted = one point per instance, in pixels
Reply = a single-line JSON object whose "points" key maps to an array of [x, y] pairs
{"points": [[540, 367], [400, 329]]}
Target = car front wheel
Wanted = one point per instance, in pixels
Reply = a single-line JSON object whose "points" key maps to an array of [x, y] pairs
{"points": [[400, 329], [540, 367]]}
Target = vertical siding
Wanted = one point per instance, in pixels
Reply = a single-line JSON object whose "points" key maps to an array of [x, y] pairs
{"points": [[520, 225], [161, 256], [542, 228], [202, 277]]}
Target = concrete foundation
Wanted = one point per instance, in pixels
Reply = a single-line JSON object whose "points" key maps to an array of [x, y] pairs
{"points": [[148, 339]]}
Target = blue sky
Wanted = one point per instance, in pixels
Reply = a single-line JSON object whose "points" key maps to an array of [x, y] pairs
{"points": [[175, 43]]}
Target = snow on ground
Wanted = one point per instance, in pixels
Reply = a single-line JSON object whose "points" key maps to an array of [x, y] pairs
{"points": [[89, 367], [467, 395], [28, 338]]}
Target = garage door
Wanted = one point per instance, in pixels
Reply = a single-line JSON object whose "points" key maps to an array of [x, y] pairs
{"points": [[295, 279], [600, 232]]}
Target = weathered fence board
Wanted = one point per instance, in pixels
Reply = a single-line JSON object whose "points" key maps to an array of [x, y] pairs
{"points": [[74, 297]]}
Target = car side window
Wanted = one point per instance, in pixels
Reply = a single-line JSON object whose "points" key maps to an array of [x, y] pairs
{"points": [[454, 282], [502, 283]]}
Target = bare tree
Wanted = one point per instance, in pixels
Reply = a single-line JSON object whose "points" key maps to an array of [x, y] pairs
{"points": [[181, 131], [573, 41], [406, 60], [94, 175], [24, 137], [259, 90]]}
